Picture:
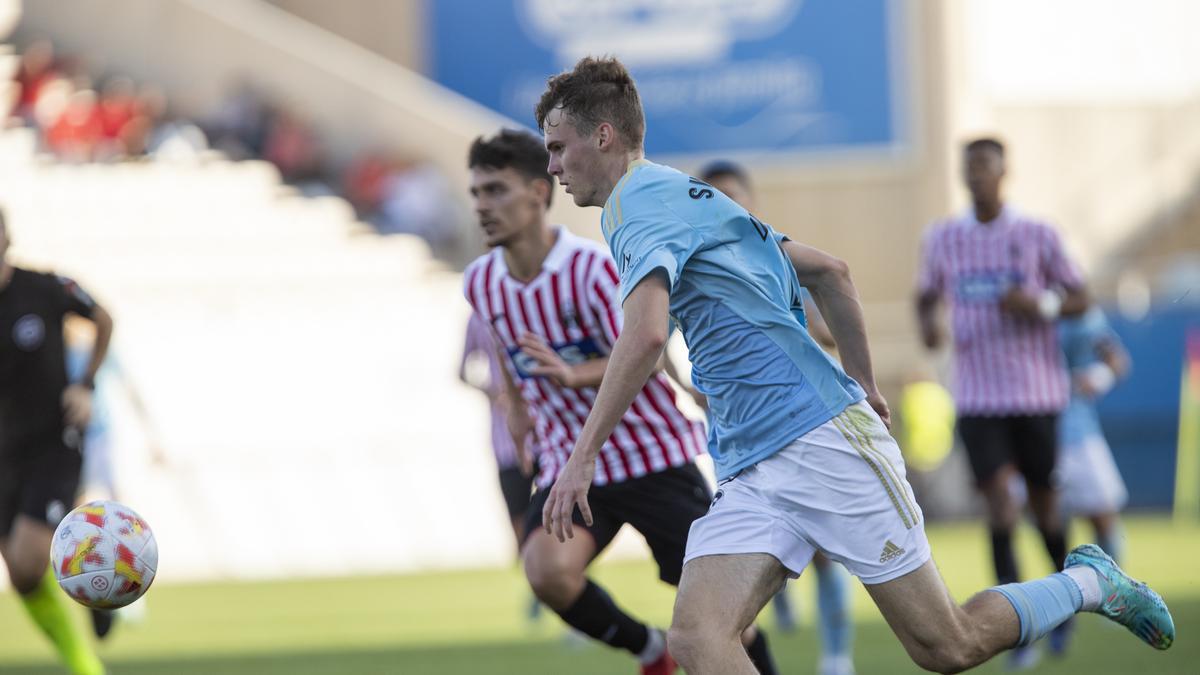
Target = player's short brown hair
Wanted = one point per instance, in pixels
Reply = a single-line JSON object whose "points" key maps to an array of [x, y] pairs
{"points": [[519, 150], [597, 90]]}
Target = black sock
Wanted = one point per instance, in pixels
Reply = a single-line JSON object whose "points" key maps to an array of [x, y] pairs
{"points": [[1056, 546], [596, 615], [1003, 558], [760, 656]]}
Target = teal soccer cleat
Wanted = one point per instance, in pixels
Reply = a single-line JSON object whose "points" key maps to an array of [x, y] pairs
{"points": [[1126, 601]]}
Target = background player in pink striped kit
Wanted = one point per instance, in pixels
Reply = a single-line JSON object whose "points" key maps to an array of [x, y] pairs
{"points": [[1007, 280], [553, 303]]}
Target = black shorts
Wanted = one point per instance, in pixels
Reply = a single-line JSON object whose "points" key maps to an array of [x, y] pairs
{"points": [[1028, 441], [661, 506], [39, 478], [517, 489]]}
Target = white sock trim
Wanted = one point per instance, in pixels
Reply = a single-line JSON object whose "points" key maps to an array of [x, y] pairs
{"points": [[656, 644], [1089, 586]]}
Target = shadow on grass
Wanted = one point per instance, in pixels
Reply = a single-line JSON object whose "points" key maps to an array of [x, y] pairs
{"points": [[1099, 648]]}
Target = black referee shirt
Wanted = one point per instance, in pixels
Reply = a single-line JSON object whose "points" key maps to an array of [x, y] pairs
{"points": [[33, 370]]}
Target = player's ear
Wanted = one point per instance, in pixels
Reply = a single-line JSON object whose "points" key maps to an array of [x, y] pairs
{"points": [[541, 190], [604, 135]]}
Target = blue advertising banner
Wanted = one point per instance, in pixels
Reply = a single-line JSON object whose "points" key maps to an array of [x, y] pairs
{"points": [[714, 75]]}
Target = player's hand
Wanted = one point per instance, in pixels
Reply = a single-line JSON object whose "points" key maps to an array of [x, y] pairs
{"points": [[77, 405], [879, 404], [550, 364], [569, 490], [1019, 303]]}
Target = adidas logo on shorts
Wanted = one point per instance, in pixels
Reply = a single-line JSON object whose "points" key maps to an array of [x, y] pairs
{"points": [[890, 552]]}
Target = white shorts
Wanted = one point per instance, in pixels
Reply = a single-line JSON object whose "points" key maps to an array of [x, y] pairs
{"points": [[1088, 478], [840, 489]]}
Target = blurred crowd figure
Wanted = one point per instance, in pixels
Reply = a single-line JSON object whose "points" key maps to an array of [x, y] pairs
{"points": [[80, 119]]}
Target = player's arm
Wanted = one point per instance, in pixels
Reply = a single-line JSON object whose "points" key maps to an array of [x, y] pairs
{"points": [[77, 397], [104, 330], [1066, 295], [817, 328], [828, 279], [573, 376], [633, 360], [1099, 378], [928, 302], [1049, 304], [517, 418]]}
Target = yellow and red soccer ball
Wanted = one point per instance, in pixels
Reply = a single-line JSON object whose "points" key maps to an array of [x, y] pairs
{"points": [[104, 555]]}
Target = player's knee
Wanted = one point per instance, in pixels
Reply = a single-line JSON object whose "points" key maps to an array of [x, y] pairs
{"points": [[686, 643], [554, 582], [692, 634]]}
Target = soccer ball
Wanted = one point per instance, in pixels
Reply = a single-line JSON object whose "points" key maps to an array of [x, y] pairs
{"points": [[104, 555]]}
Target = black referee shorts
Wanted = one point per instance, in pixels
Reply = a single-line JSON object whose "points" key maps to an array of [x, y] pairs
{"points": [[661, 506], [1030, 442], [39, 478]]}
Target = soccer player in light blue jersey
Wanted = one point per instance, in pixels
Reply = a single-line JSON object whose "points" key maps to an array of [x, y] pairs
{"points": [[803, 455], [833, 586]]}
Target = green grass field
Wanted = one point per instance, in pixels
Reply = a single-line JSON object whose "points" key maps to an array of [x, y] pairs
{"points": [[472, 622]]}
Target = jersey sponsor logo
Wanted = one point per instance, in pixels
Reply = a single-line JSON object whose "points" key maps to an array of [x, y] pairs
{"points": [[986, 287], [890, 551], [573, 353], [29, 332]]}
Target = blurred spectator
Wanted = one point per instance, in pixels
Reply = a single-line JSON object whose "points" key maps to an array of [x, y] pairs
{"points": [[292, 146], [416, 199], [74, 136], [116, 111], [395, 194], [34, 73], [365, 181], [168, 136], [239, 128]]}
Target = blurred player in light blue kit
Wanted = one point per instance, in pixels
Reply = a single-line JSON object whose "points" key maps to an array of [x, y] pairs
{"points": [[1091, 485]]}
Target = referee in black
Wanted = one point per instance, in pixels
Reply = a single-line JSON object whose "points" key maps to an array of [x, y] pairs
{"points": [[42, 419]]}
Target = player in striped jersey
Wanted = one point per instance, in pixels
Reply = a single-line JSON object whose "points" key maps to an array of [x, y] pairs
{"points": [[551, 299], [800, 444], [1007, 281]]}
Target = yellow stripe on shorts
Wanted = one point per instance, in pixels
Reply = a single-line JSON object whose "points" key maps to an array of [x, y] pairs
{"points": [[863, 422], [852, 439]]}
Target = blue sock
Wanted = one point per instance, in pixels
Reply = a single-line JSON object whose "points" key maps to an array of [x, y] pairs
{"points": [[1111, 543], [833, 604], [1042, 605]]}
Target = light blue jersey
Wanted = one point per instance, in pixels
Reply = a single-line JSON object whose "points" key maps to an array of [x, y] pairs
{"points": [[1081, 337], [736, 299]]}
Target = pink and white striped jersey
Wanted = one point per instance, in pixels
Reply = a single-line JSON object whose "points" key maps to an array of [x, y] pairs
{"points": [[573, 304], [1003, 365]]}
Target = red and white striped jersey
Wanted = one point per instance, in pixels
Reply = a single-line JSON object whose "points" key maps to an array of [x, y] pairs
{"points": [[573, 305], [1003, 365]]}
